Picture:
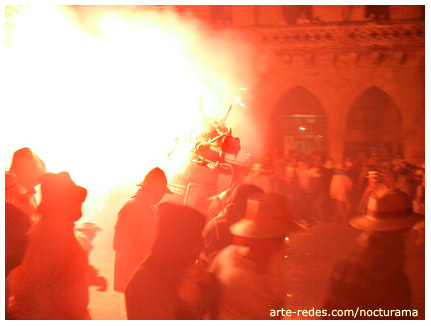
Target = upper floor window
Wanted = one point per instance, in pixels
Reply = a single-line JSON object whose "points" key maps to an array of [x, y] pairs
{"points": [[377, 13]]}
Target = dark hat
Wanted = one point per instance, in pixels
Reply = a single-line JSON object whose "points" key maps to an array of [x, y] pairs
{"points": [[27, 166], [156, 180], [178, 233], [59, 193], [177, 221], [387, 212], [267, 217], [25, 158]]}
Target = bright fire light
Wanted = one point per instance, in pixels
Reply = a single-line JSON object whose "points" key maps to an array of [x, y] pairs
{"points": [[109, 99]]}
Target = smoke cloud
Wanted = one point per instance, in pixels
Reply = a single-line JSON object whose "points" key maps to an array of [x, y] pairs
{"points": [[106, 92]]}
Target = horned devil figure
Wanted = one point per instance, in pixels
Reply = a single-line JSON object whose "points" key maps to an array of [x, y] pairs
{"points": [[215, 142]]}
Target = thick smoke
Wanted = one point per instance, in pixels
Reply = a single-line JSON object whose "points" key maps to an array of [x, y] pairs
{"points": [[106, 92]]}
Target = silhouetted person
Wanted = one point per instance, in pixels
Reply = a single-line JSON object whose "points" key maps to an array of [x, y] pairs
{"points": [[168, 284], [17, 222], [51, 282], [373, 276], [340, 191], [374, 182], [251, 271], [27, 168], [134, 229], [17, 225], [216, 233]]}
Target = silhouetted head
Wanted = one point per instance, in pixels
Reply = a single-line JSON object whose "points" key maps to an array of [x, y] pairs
{"points": [[268, 216], [178, 234], [61, 197], [155, 185], [27, 167]]}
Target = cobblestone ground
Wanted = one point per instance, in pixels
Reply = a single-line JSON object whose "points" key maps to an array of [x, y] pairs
{"points": [[311, 257]]}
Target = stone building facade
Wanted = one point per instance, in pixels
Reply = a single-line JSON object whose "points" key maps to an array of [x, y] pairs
{"points": [[347, 79]]}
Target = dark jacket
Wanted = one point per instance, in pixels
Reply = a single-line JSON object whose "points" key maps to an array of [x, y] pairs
{"points": [[371, 278], [167, 284], [134, 232]]}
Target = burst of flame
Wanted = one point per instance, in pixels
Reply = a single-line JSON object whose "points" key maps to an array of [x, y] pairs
{"points": [[104, 106]]}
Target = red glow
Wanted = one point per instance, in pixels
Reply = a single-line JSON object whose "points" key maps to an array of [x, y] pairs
{"points": [[110, 98]]}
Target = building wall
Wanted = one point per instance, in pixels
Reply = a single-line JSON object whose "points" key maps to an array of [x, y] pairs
{"points": [[270, 15], [339, 73], [338, 85]]}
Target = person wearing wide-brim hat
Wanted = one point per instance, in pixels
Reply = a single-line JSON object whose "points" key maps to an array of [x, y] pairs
{"points": [[373, 277], [134, 228], [251, 271], [51, 281], [390, 211], [374, 179]]}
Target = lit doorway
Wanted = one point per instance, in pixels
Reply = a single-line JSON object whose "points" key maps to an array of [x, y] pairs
{"points": [[299, 123]]}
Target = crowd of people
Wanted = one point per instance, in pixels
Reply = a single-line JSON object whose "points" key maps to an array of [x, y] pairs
{"points": [[326, 191], [173, 262]]}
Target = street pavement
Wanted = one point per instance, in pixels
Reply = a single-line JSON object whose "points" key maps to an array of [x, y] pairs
{"points": [[311, 257]]}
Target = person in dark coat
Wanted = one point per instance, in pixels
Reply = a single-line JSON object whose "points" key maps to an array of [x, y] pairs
{"points": [[216, 233], [252, 271], [51, 282], [24, 172], [17, 225], [373, 276], [134, 228], [168, 284]]}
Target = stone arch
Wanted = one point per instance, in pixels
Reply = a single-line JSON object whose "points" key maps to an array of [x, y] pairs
{"points": [[373, 124], [298, 122], [383, 84]]}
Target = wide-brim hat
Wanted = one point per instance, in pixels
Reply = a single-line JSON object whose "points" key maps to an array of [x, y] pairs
{"points": [[373, 174], [388, 212], [26, 163], [267, 217], [59, 193], [156, 180]]}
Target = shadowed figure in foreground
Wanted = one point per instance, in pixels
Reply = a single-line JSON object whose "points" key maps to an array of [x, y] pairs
{"points": [[169, 284], [23, 176], [373, 276], [51, 282], [216, 233], [251, 271], [134, 229]]}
